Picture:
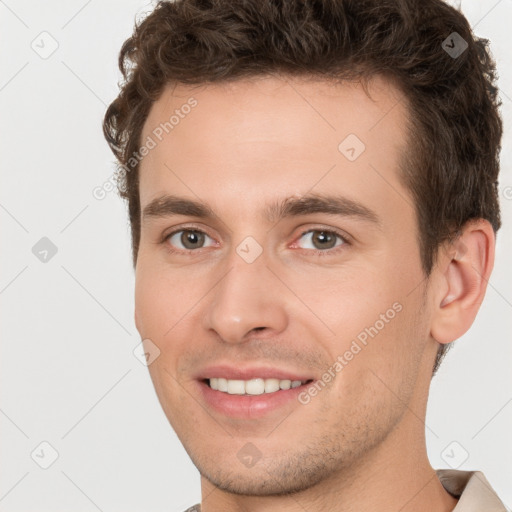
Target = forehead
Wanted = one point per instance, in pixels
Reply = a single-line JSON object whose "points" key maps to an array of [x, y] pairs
{"points": [[257, 136]]}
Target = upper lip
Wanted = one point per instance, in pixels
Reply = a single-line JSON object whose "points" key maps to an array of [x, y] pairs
{"points": [[253, 372]]}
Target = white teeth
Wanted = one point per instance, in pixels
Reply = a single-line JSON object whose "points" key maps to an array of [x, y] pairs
{"points": [[252, 386], [236, 387], [285, 384], [255, 387], [271, 385], [222, 384]]}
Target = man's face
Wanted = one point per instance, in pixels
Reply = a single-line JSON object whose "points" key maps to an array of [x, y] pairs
{"points": [[246, 296]]}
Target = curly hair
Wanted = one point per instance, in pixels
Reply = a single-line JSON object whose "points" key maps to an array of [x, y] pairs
{"points": [[451, 164]]}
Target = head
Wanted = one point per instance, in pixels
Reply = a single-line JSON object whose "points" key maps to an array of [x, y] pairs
{"points": [[261, 114]]}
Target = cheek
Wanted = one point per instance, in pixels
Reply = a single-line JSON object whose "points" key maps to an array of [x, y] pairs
{"points": [[150, 304], [375, 320], [161, 299], [163, 307], [390, 362], [346, 299]]}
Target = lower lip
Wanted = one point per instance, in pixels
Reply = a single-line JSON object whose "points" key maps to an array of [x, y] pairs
{"points": [[249, 406]]}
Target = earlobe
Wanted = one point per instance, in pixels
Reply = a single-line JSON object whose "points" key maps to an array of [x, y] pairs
{"points": [[465, 267]]}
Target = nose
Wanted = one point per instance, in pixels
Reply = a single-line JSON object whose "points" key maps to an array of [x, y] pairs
{"points": [[248, 298]]}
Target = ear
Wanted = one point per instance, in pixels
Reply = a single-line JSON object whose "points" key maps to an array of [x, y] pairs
{"points": [[464, 268]]}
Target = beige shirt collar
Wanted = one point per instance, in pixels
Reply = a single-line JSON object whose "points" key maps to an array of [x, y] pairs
{"points": [[473, 490]]}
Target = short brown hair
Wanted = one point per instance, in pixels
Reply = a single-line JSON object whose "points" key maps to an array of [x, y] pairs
{"points": [[452, 160]]}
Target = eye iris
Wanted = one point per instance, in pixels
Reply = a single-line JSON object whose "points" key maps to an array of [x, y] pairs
{"points": [[325, 239], [191, 237]]}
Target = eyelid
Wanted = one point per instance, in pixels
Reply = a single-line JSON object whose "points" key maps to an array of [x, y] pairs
{"points": [[184, 227]]}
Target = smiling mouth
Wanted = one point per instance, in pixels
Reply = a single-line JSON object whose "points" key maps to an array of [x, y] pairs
{"points": [[253, 387]]}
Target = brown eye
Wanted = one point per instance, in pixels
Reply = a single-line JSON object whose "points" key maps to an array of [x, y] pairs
{"points": [[188, 239], [191, 239], [322, 239]]}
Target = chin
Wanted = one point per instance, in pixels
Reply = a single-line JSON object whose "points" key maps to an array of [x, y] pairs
{"points": [[280, 478]]}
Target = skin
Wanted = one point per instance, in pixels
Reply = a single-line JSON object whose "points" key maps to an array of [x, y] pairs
{"points": [[360, 443]]}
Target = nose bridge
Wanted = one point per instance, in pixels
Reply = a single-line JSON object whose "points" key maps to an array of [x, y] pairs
{"points": [[246, 297]]}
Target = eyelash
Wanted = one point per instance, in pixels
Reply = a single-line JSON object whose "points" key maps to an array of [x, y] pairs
{"points": [[317, 252]]}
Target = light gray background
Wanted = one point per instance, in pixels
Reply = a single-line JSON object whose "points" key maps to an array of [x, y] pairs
{"points": [[68, 373]]}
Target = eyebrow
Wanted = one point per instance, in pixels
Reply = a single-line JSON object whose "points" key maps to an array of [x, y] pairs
{"points": [[169, 205]]}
